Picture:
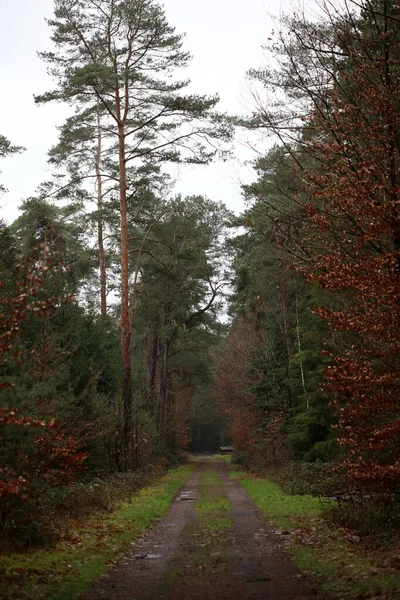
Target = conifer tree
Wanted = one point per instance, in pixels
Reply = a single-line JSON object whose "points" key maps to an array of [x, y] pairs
{"points": [[7, 149], [181, 289], [122, 55]]}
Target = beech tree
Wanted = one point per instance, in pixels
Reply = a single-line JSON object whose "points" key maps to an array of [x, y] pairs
{"points": [[236, 376], [340, 125], [121, 55], [269, 306], [354, 211]]}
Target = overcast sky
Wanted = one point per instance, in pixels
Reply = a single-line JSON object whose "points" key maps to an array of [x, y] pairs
{"points": [[224, 37]]}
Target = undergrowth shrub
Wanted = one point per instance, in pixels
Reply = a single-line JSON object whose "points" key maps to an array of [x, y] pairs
{"points": [[314, 479], [173, 459], [36, 521], [104, 495], [264, 455], [26, 523], [366, 514], [239, 457], [84, 498], [374, 516]]}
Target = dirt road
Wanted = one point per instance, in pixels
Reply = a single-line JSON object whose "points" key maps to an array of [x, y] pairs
{"points": [[212, 544]]}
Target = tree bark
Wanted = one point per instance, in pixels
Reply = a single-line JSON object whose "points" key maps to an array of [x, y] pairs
{"points": [[303, 383], [102, 262], [125, 320], [152, 359], [286, 332], [163, 387]]}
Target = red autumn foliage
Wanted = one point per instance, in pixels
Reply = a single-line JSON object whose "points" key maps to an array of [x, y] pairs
{"points": [[53, 457], [59, 459], [236, 376], [178, 415], [10, 484], [353, 244]]}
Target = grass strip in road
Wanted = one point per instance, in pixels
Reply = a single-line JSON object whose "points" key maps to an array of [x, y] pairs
{"points": [[66, 571], [206, 549], [339, 563]]}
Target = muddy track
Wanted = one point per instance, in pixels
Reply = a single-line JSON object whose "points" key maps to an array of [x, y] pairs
{"points": [[245, 561]]}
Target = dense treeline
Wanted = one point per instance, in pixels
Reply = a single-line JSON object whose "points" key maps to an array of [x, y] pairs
{"points": [[316, 302]]}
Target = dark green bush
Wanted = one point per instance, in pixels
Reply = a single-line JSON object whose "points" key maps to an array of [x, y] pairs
{"points": [[315, 479], [34, 522], [375, 516], [173, 459], [239, 457], [104, 495], [26, 523]]}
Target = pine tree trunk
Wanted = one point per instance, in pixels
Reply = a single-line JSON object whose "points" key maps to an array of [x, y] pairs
{"points": [[102, 262], [152, 359], [286, 332], [170, 432], [125, 320], [303, 383], [163, 388]]}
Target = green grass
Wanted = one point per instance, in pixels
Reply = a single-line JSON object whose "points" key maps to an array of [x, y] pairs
{"points": [[283, 510], [226, 457], [213, 507], [65, 572], [207, 548], [343, 569]]}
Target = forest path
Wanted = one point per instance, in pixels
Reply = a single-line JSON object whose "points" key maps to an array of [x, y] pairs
{"points": [[212, 544]]}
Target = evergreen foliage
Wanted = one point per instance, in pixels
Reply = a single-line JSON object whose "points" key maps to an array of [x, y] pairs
{"points": [[114, 353]]}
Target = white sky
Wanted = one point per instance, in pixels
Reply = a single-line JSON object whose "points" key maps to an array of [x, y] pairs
{"points": [[224, 37]]}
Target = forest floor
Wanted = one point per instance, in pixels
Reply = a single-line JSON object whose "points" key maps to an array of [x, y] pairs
{"points": [[212, 544], [207, 531]]}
